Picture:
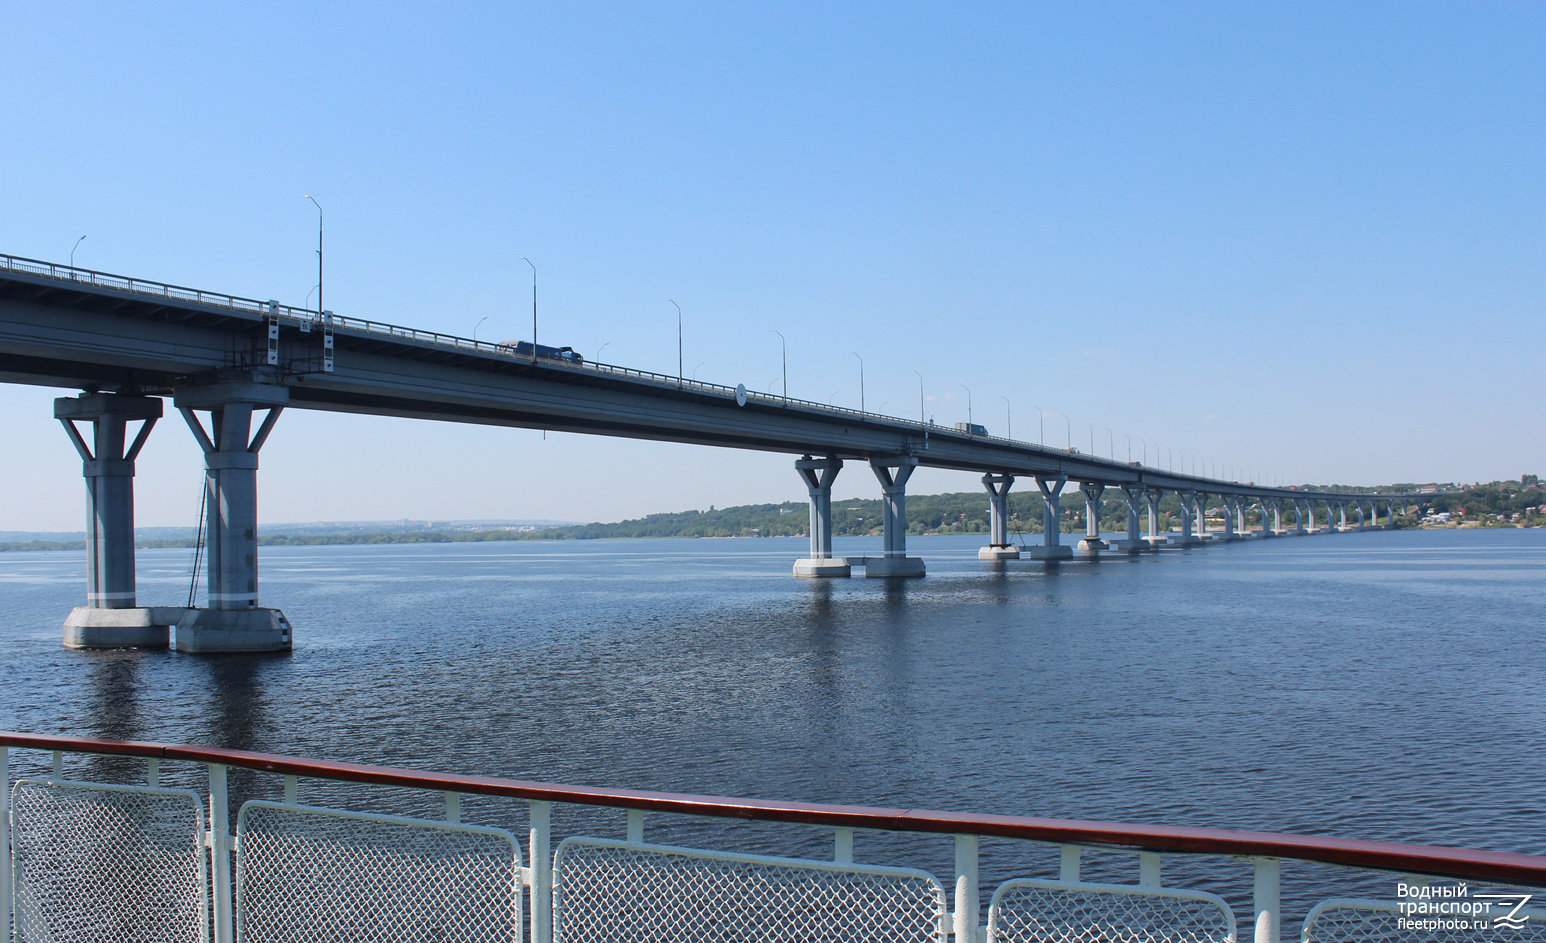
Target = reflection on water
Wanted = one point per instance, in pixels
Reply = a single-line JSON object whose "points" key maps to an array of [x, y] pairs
{"points": [[1377, 685]]}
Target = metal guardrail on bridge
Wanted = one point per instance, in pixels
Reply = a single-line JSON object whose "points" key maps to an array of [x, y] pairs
{"points": [[308, 872], [298, 316]]}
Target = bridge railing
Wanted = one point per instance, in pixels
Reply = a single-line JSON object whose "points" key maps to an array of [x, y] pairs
{"points": [[192, 843], [299, 316], [311, 318]]}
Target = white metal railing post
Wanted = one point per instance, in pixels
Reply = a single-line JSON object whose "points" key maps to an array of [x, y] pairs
{"points": [[965, 917], [843, 845], [541, 854], [1265, 899], [153, 772], [1068, 864], [636, 825], [220, 853], [5, 842]]}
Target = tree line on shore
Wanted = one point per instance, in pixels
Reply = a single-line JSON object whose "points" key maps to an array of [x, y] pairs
{"points": [[1499, 503]]}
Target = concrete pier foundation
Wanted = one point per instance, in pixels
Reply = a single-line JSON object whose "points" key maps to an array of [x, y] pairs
{"points": [[1155, 539], [819, 473], [112, 617], [233, 622], [999, 547], [1052, 522], [1091, 543], [1133, 542], [892, 473]]}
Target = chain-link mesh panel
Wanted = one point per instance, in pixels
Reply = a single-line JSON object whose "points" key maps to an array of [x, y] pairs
{"points": [[95, 862], [622, 892], [1025, 911], [307, 875], [1379, 921]]}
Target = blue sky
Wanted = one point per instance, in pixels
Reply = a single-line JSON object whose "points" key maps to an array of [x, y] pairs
{"points": [[1302, 239]]}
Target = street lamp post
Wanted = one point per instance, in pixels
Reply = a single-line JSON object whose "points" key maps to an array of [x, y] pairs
{"points": [[784, 346], [1068, 432], [73, 248], [476, 326], [1145, 443], [1129, 448], [696, 369], [1009, 427], [533, 307], [968, 409], [679, 370], [920, 397], [1111, 443], [861, 380], [1041, 427], [314, 202], [1091, 426], [603, 347]]}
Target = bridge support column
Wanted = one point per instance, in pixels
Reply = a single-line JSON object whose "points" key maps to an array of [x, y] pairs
{"points": [[1052, 522], [1309, 515], [1374, 515], [893, 473], [1363, 519], [1133, 542], [1093, 490], [1229, 517], [1341, 516], [1298, 530], [233, 622], [1200, 516], [1277, 517], [1151, 498], [999, 547], [819, 473], [111, 617], [1188, 503]]}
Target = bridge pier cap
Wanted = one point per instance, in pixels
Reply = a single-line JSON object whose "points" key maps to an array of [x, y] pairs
{"points": [[111, 617], [233, 622]]}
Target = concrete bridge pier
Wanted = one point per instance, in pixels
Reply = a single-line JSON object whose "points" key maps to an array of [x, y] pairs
{"points": [[1229, 503], [1266, 522], [1200, 516], [111, 617], [1133, 542], [1242, 524], [1155, 540], [1277, 516], [1342, 516], [893, 472], [1188, 504], [1299, 507], [999, 547], [1309, 513], [1091, 543], [233, 622], [1374, 515], [819, 473], [1363, 519], [1052, 522]]}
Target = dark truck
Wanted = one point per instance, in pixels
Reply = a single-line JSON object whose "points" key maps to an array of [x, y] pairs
{"points": [[524, 349]]}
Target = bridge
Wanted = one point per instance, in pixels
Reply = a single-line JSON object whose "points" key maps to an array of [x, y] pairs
{"points": [[232, 365]]}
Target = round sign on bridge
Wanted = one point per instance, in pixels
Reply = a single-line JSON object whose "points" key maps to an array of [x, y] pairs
{"points": [[740, 394]]}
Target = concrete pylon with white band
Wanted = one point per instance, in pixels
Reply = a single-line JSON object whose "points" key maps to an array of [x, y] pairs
{"points": [[999, 547], [892, 472], [819, 473], [234, 622], [1052, 522], [1092, 495], [112, 616]]}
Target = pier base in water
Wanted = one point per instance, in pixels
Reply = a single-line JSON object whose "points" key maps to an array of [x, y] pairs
{"points": [[1130, 546], [999, 553], [894, 566], [822, 567], [1055, 552], [140, 627], [232, 630]]}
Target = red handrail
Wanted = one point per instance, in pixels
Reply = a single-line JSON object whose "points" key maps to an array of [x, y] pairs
{"points": [[1436, 860]]}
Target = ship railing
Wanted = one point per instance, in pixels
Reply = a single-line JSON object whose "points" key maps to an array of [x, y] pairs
{"points": [[157, 858]]}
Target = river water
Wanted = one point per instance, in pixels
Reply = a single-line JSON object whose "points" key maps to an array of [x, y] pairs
{"points": [[1376, 685]]}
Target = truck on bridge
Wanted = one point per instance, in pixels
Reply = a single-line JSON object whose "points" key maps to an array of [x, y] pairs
{"points": [[524, 349]]}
